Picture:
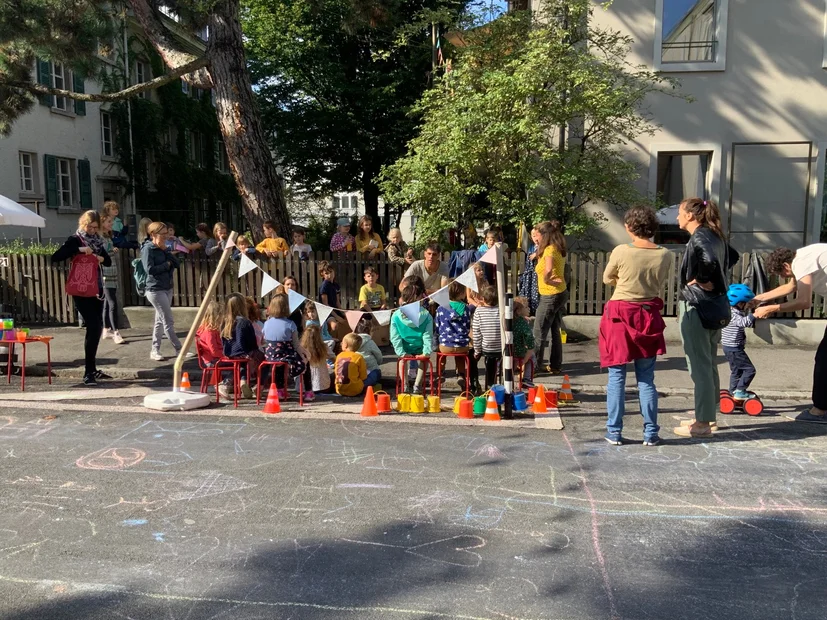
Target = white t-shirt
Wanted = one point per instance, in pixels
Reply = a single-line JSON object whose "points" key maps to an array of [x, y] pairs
{"points": [[433, 281], [812, 260], [301, 248]]}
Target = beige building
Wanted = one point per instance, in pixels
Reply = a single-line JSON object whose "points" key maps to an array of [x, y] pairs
{"points": [[754, 138]]}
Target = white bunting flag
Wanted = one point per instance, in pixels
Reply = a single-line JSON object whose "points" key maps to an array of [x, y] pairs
{"points": [[383, 317], [353, 317], [469, 278], [268, 283], [411, 311], [490, 256], [441, 297], [246, 266], [295, 299], [324, 313], [229, 244]]}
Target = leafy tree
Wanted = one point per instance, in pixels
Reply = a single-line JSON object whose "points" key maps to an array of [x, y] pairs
{"points": [[69, 31], [337, 81], [529, 124]]}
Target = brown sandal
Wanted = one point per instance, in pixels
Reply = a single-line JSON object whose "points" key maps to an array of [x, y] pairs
{"points": [[693, 431]]}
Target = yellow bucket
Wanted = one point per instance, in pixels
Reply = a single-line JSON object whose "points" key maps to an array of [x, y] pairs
{"points": [[563, 336], [434, 404], [459, 399], [417, 404], [403, 402]]}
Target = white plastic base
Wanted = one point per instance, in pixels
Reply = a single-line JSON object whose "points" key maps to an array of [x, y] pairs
{"points": [[176, 401]]}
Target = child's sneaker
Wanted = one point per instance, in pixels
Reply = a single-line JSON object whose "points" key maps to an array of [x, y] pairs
{"points": [[282, 394], [224, 391], [106, 333], [740, 395], [116, 336], [417, 389], [463, 386], [309, 397], [246, 390]]}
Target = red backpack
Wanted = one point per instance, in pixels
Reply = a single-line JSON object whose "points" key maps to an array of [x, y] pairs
{"points": [[83, 280]]}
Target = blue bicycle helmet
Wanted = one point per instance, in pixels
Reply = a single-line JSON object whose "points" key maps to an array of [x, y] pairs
{"points": [[738, 293]]}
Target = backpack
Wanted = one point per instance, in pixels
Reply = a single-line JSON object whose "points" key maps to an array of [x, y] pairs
{"points": [[139, 275]]}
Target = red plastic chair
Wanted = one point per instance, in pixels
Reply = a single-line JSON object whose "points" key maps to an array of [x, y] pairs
{"points": [[216, 370], [441, 361], [402, 370]]}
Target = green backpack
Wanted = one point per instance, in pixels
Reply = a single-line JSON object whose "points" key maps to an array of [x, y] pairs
{"points": [[139, 275]]}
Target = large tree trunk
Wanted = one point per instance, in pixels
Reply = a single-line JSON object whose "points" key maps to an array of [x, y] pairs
{"points": [[251, 162], [370, 192]]}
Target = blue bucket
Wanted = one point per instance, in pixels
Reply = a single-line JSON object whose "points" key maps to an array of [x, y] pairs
{"points": [[520, 402], [499, 393]]}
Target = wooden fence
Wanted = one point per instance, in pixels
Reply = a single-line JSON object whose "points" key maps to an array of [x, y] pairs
{"points": [[32, 289]]}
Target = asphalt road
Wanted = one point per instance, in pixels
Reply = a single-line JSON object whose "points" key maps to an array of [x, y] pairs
{"points": [[150, 516]]}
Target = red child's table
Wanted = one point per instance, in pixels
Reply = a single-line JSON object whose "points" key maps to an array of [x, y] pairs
{"points": [[47, 340]]}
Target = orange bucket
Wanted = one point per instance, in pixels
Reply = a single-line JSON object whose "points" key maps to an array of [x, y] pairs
{"points": [[383, 402]]}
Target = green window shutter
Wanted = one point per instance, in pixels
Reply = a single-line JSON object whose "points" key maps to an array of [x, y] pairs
{"points": [[50, 167], [44, 78], [85, 180], [77, 86]]}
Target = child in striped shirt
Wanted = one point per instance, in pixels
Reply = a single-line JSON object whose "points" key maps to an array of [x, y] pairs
{"points": [[734, 340], [487, 334]]}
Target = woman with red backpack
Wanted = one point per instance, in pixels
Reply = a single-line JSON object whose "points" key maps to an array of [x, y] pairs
{"points": [[85, 285]]}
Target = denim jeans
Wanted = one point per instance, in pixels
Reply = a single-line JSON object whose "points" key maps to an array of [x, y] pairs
{"points": [[162, 302], [741, 369], [648, 397], [374, 377], [549, 318]]}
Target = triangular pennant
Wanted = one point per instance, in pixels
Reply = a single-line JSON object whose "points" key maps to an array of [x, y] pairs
{"points": [[295, 299], [353, 318], [441, 297], [469, 279], [323, 312], [246, 266], [229, 243], [411, 311], [268, 283], [490, 256], [383, 317]]}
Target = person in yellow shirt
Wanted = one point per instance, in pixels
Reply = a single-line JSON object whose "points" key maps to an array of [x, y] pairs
{"points": [[551, 283], [272, 245], [351, 369], [372, 295], [368, 242]]}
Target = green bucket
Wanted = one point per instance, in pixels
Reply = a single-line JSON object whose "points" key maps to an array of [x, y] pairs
{"points": [[480, 403]]}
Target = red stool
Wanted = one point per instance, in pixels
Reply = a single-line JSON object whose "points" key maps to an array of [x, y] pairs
{"points": [[441, 360], [212, 374], [275, 366], [402, 369], [47, 340]]}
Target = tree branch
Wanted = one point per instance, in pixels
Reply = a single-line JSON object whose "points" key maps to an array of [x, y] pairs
{"points": [[165, 44], [174, 74]]}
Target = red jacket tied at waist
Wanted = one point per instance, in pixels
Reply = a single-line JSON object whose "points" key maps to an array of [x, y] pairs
{"points": [[631, 330]]}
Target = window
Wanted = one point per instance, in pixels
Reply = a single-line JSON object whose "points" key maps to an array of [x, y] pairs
{"points": [[198, 149], [679, 176], [27, 173], [64, 182], [221, 162], [107, 149], [185, 88], [690, 35], [143, 73], [59, 81]]}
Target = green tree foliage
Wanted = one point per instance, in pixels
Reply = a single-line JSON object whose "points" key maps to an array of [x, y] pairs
{"points": [[530, 124], [336, 81]]}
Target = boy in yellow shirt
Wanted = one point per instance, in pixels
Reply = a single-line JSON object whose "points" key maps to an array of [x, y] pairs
{"points": [[372, 295], [273, 245], [351, 370]]}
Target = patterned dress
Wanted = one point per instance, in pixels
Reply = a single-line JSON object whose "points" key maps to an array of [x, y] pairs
{"points": [[528, 282]]}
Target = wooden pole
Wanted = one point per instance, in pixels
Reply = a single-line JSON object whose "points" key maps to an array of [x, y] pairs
{"points": [[202, 309]]}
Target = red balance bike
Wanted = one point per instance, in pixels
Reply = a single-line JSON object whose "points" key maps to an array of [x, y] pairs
{"points": [[750, 406]]}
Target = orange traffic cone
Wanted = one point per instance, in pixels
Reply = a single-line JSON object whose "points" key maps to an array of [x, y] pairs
{"points": [[185, 381], [492, 414], [564, 394], [369, 408], [272, 405], [540, 400]]}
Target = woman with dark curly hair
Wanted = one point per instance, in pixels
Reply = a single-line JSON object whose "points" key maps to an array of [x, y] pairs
{"points": [[631, 329], [806, 272]]}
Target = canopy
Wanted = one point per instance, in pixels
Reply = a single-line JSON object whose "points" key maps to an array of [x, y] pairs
{"points": [[13, 214]]}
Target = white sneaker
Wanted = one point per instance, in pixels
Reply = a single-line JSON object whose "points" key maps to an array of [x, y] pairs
{"points": [[156, 356], [188, 356], [106, 333], [224, 391], [116, 336], [246, 390]]}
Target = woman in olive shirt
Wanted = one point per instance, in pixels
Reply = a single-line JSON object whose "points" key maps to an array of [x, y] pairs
{"points": [[551, 263]]}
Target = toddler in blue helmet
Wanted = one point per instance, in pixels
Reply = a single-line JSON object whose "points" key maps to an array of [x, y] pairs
{"points": [[734, 340]]}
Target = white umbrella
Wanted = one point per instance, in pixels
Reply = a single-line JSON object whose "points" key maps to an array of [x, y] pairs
{"points": [[13, 214], [669, 215]]}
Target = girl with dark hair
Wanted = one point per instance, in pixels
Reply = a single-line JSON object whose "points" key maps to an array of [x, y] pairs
{"points": [[551, 265], [368, 243], [704, 307]]}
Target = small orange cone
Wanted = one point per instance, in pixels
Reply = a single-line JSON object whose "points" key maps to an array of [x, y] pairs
{"points": [[369, 408], [564, 393], [492, 414], [185, 381], [540, 400], [272, 405]]}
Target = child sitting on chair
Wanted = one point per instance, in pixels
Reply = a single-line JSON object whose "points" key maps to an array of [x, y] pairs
{"points": [[351, 370], [410, 339], [282, 345], [454, 326], [734, 340]]}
